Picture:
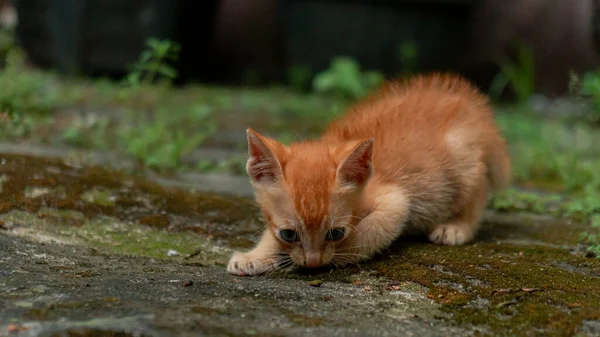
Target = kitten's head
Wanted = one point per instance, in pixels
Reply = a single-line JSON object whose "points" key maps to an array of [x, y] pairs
{"points": [[308, 192]]}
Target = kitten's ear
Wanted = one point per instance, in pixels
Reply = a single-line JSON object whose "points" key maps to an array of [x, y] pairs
{"points": [[355, 170], [262, 164]]}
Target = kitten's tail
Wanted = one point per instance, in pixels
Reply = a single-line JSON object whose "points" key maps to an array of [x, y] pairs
{"points": [[498, 164]]}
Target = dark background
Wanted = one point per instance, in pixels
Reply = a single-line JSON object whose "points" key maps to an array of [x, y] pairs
{"points": [[228, 41]]}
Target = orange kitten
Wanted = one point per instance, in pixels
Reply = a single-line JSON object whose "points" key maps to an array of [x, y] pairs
{"points": [[423, 153]]}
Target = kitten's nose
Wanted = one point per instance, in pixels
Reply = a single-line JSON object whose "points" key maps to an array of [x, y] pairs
{"points": [[312, 260]]}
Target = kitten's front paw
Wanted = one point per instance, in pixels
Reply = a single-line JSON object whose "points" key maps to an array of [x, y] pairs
{"points": [[451, 234], [248, 264]]}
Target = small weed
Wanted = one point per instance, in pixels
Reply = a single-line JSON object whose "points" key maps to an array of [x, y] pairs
{"points": [[24, 92], [579, 208], [73, 135], [551, 153], [519, 75], [515, 200], [20, 125], [207, 166], [152, 65], [590, 86], [233, 165], [161, 142], [592, 239], [345, 79], [91, 128], [7, 43]]}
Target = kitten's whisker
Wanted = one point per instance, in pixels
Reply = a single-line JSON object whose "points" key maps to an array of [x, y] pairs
{"points": [[351, 216], [289, 268], [350, 248], [334, 264], [351, 254], [262, 229], [278, 266], [339, 207], [346, 260]]}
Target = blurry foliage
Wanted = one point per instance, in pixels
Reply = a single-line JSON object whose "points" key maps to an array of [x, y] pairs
{"points": [[153, 63], [590, 86], [7, 43], [551, 152], [519, 74], [592, 238], [91, 127], [26, 97], [24, 91], [162, 142], [559, 158], [345, 79]]}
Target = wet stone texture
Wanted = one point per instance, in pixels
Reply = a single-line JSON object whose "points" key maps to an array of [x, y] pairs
{"points": [[90, 252]]}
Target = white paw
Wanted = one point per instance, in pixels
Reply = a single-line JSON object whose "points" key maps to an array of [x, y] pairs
{"points": [[451, 234], [248, 264]]}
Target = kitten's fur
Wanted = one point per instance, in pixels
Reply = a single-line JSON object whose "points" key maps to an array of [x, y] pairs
{"points": [[424, 153]]}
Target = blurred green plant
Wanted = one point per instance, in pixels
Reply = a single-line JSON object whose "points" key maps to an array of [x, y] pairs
{"points": [[551, 152], [23, 93], [592, 238], [345, 79], [153, 63], [7, 43], [91, 130], [518, 74], [161, 142], [558, 165], [588, 86]]}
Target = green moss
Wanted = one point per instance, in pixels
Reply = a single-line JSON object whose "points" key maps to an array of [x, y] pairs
{"points": [[99, 196], [97, 191], [94, 205], [128, 239], [110, 235], [459, 277], [61, 216]]}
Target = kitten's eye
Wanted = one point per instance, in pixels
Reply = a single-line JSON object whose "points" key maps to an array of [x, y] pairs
{"points": [[289, 235], [336, 234]]}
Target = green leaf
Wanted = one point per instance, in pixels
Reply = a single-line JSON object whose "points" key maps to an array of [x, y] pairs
{"points": [[167, 71], [324, 82]]}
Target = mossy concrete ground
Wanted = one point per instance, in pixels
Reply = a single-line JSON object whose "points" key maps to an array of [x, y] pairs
{"points": [[88, 251]]}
